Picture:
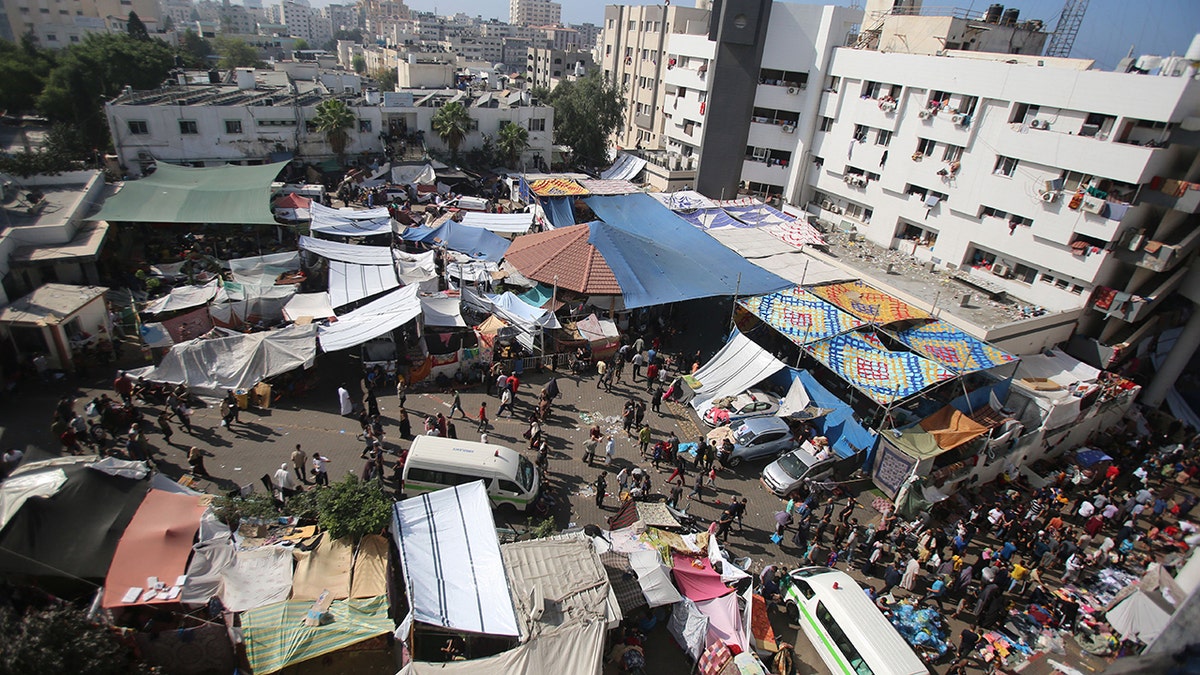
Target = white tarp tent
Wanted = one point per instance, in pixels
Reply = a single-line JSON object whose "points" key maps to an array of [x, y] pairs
{"points": [[413, 174], [350, 222], [257, 577], [413, 268], [451, 562], [689, 626], [352, 253], [653, 578], [371, 320], [627, 167], [579, 650], [1141, 616], [515, 311], [313, 305], [350, 282], [212, 367], [260, 271], [739, 365], [508, 223], [183, 297], [442, 311], [796, 399], [43, 480], [684, 200]]}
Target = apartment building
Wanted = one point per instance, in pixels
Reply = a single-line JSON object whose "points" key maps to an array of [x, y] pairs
{"points": [[180, 11], [908, 27], [61, 24], [534, 13], [341, 17], [227, 17], [633, 55], [547, 67]]}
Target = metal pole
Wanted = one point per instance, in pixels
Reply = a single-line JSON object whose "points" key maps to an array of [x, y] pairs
{"points": [[737, 289]]}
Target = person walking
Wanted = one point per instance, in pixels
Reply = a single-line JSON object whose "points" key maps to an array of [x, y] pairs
{"points": [[601, 485], [610, 451], [644, 440], [627, 417], [164, 425], [456, 405], [345, 403], [638, 361], [184, 414], [298, 464], [234, 408], [601, 373], [195, 459], [319, 470], [910, 574], [483, 419], [680, 469], [698, 488], [401, 390], [651, 376], [506, 403], [656, 400], [405, 425]]}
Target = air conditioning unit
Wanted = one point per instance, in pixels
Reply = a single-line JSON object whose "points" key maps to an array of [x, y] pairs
{"points": [[924, 114], [789, 129], [887, 106], [793, 90], [958, 119], [1051, 196], [1092, 205], [1001, 270], [1035, 124]]}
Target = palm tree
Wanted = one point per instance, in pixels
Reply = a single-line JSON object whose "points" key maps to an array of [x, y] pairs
{"points": [[452, 123], [334, 118], [513, 141]]}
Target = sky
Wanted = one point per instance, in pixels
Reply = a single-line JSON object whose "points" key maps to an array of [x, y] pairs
{"points": [[1109, 28]]}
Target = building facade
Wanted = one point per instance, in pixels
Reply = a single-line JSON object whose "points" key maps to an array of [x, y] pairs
{"points": [[548, 67], [534, 13], [61, 24]]}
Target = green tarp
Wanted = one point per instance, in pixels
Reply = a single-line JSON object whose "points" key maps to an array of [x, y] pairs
{"points": [[915, 442], [276, 636], [239, 195]]}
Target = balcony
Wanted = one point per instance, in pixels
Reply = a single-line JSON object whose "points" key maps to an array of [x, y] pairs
{"points": [[692, 78], [1136, 306], [1118, 161], [1173, 194], [1159, 256], [644, 121]]}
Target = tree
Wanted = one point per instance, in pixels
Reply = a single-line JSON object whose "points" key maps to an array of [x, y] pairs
{"points": [[168, 24], [98, 69], [333, 119], [135, 27], [350, 508], [237, 53], [195, 49], [24, 68], [586, 112], [359, 63], [300, 45], [386, 78], [513, 140], [452, 123], [60, 639]]}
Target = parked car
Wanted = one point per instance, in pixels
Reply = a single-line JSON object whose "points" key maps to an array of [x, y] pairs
{"points": [[750, 403], [791, 470], [758, 438]]}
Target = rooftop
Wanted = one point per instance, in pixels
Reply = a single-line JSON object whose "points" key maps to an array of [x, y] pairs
{"points": [[50, 303], [54, 207], [271, 89]]}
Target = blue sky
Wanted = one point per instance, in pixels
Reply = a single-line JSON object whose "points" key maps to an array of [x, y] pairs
{"points": [[1109, 27]]}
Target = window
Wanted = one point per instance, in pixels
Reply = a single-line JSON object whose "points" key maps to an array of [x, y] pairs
{"points": [[233, 126], [883, 137], [607, 50], [632, 25], [1061, 283], [309, 124], [629, 52], [1046, 278], [833, 83], [364, 126], [989, 212], [1005, 166], [1014, 219], [803, 588], [871, 89], [967, 105], [925, 146], [953, 153], [1024, 273], [188, 127], [826, 123], [860, 132], [537, 124], [51, 37], [509, 487], [1077, 289], [1074, 181], [838, 637], [1022, 112], [439, 477], [74, 38]]}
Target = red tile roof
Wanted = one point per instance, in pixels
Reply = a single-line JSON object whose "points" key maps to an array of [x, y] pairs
{"points": [[564, 253]]}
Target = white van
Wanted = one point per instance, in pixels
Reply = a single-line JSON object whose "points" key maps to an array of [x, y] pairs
{"points": [[845, 627], [434, 463]]}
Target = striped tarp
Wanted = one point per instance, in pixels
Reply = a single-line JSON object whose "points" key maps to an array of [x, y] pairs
{"points": [[276, 636]]}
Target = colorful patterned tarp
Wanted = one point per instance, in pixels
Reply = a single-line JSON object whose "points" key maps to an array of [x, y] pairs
{"points": [[711, 219], [951, 347], [557, 187], [608, 187], [797, 234], [869, 304], [756, 214], [885, 376], [801, 316]]}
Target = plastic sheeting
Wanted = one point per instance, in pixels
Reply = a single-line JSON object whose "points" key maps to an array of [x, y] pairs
{"points": [[739, 365], [683, 200], [451, 561], [442, 311], [351, 282], [327, 567], [884, 375], [659, 258], [183, 297], [257, 578], [511, 223], [564, 568], [696, 578], [350, 222], [560, 211], [371, 320], [1141, 616], [262, 270], [413, 174], [713, 219], [653, 578], [627, 167], [368, 578], [868, 303], [238, 195], [204, 572], [314, 305], [157, 543], [953, 348], [276, 635], [413, 268], [352, 253], [845, 434], [17, 489], [689, 626], [211, 367], [724, 621], [800, 316], [579, 650], [475, 242], [510, 308]]}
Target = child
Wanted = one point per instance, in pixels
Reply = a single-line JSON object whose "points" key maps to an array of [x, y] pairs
{"points": [[712, 478]]}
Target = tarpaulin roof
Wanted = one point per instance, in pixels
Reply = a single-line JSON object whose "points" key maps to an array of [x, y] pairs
{"points": [[565, 254], [183, 297], [442, 311], [1054, 365], [797, 234], [953, 348], [473, 241], [844, 432], [560, 211], [800, 316], [881, 374], [415, 267], [276, 635], [569, 651], [350, 222], [513, 223], [157, 543], [1088, 457], [354, 253], [653, 578], [724, 620], [869, 304], [595, 329], [257, 578], [510, 308], [351, 282], [210, 367], [572, 580], [683, 200], [696, 578], [293, 200], [44, 481], [557, 187], [239, 195], [413, 173], [368, 577], [713, 219], [740, 364], [608, 187], [951, 428], [325, 568], [371, 320], [626, 167], [755, 213], [1141, 616], [540, 296], [451, 561], [315, 305], [659, 258]]}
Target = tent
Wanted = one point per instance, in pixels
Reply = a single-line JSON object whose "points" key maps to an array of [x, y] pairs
{"points": [[515, 312], [413, 174], [952, 348], [683, 201], [257, 578], [183, 297], [869, 304], [371, 320], [157, 543], [236, 195], [451, 562], [352, 253], [1142, 615], [565, 651], [739, 365], [350, 222], [696, 578], [211, 367], [442, 311], [883, 375], [313, 305], [627, 167], [654, 579], [608, 187], [476, 242], [564, 256], [276, 635], [951, 428], [845, 434], [413, 268], [800, 316], [350, 282], [571, 580], [508, 223], [659, 258], [715, 219]]}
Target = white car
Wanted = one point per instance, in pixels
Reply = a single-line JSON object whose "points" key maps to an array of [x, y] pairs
{"points": [[750, 403]]}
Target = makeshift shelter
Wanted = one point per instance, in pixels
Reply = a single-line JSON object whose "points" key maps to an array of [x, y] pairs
{"points": [[558, 187], [507, 223], [883, 375], [696, 578], [713, 219], [564, 256], [654, 578], [739, 365], [257, 578], [868, 304], [351, 253], [157, 543], [1057, 383], [1140, 616], [315, 306], [953, 348], [451, 562], [351, 282], [567, 651], [325, 568], [846, 436], [350, 222], [541, 296], [293, 207], [656, 256], [800, 316], [276, 636], [951, 428], [442, 311], [626, 167], [235, 195], [613, 186], [572, 584], [414, 174], [371, 320], [476, 242], [183, 297], [602, 335], [212, 367]]}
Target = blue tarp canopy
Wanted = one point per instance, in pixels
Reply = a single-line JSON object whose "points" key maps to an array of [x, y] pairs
{"points": [[560, 210], [659, 258], [1087, 457], [473, 241], [538, 296], [845, 434]]}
